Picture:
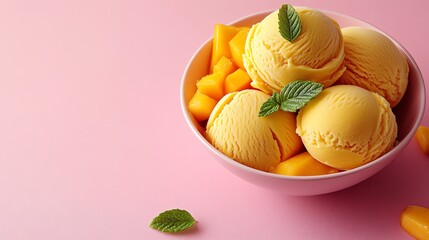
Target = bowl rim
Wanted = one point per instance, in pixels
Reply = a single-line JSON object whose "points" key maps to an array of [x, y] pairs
{"points": [[386, 157]]}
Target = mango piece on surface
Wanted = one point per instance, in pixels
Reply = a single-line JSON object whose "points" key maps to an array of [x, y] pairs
{"points": [[236, 46], [303, 164], [224, 65], [415, 220], [237, 81], [422, 137], [212, 85], [221, 37], [201, 106]]}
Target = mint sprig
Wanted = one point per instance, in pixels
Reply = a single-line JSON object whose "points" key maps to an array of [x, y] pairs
{"points": [[174, 220], [292, 97], [289, 22], [271, 105]]}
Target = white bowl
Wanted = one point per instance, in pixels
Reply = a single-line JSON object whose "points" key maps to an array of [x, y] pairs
{"points": [[409, 113]]}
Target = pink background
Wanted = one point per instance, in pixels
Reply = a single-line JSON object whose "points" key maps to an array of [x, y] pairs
{"points": [[93, 144]]}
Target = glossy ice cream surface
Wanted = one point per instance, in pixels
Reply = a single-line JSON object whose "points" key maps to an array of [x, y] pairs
{"points": [[347, 126], [375, 63], [317, 54], [235, 129]]}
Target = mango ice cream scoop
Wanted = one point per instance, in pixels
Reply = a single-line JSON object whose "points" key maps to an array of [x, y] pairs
{"points": [[317, 53], [235, 129], [346, 126], [375, 63]]}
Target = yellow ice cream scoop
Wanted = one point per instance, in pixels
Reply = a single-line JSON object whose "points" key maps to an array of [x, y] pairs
{"points": [[375, 63], [317, 53], [346, 126], [235, 129]]}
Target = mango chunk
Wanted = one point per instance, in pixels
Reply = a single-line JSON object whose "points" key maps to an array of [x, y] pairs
{"points": [[422, 137], [224, 65], [201, 106], [236, 46], [415, 221], [221, 37], [212, 85], [303, 164], [237, 81]]}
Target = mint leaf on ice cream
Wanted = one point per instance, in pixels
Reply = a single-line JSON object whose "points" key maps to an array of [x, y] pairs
{"points": [[291, 98], [289, 22]]}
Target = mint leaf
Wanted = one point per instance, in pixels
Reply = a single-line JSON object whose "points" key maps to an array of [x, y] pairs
{"points": [[270, 106], [298, 93], [291, 98], [175, 220], [289, 22], [277, 97]]}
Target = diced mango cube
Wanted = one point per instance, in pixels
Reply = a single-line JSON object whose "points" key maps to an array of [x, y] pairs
{"points": [[415, 220], [201, 106], [212, 85], [221, 37], [236, 46], [237, 81], [422, 137], [224, 65], [303, 164]]}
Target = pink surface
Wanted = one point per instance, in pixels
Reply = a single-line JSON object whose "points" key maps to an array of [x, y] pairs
{"points": [[94, 145]]}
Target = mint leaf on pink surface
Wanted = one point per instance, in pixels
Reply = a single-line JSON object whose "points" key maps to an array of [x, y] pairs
{"points": [[175, 220]]}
